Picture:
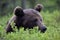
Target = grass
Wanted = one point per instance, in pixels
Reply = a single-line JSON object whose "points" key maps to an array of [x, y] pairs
{"points": [[51, 20]]}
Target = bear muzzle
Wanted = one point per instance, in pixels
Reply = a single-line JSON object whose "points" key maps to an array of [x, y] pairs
{"points": [[43, 29]]}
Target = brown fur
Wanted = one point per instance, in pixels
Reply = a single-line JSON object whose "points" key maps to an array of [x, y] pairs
{"points": [[38, 7], [27, 18]]}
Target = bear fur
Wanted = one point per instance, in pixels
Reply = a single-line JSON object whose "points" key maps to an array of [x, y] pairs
{"points": [[26, 18]]}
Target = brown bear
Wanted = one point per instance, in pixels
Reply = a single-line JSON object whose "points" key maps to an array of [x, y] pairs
{"points": [[26, 18]]}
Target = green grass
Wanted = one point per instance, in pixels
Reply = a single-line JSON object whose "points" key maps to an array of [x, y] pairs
{"points": [[51, 20]]}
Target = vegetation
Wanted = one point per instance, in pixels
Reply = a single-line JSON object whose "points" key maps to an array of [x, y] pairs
{"points": [[7, 6], [50, 14], [51, 20]]}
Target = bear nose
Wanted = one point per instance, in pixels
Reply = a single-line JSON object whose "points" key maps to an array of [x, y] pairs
{"points": [[43, 29]]}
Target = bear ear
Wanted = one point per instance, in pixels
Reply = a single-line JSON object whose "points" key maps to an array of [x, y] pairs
{"points": [[18, 11], [38, 7]]}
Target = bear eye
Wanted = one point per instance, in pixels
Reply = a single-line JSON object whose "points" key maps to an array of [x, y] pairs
{"points": [[35, 20], [40, 19]]}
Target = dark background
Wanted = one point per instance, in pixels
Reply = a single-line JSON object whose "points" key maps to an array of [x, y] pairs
{"points": [[7, 6]]}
